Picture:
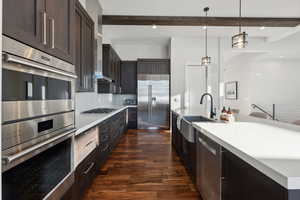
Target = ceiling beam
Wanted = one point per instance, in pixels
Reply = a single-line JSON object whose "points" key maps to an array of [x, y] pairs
{"points": [[198, 21]]}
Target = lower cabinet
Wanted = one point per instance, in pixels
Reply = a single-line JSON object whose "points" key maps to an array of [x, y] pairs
{"points": [[132, 118], [110, 132], [185, 149], [242, 181], [84, 174]]}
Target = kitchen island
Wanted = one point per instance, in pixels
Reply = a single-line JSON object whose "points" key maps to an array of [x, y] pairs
{"points": [[246, 160]]}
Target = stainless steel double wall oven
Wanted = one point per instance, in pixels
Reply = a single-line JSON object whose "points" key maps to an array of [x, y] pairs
{"points": [[37, 105]]}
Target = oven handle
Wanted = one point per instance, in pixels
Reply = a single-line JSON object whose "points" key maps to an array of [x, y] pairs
{"points": [[10, 159], [15, 59]]}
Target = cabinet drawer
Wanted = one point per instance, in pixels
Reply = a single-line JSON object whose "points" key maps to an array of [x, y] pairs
{"points": [[84, 173], [85, 144]]}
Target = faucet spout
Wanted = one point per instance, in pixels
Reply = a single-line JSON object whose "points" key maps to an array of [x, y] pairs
{"points": [[212, 113]]}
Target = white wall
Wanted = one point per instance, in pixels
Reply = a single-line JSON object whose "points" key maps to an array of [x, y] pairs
{"points": [[195, 85], [136, 51], [185, 51], [265, 81], [263, 77]]}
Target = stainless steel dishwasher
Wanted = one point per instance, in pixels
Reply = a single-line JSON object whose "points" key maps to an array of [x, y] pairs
{"points": [[209, 161]]}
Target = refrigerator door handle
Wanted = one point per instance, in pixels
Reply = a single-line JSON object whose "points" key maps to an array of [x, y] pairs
{"points": [[149, 102]]}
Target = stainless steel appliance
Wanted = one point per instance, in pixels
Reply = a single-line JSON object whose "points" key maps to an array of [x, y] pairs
{"points": [[37, 107], [153, 98]]}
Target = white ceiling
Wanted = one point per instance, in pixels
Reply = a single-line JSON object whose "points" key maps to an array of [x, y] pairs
{"points": [[251, 8], [147, 33], [226, 8]]}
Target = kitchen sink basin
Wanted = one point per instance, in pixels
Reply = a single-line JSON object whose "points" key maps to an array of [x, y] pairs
{"points": [[186, 128], [197, 119]]}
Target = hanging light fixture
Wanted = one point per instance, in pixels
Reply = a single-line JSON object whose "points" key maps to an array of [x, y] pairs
{"points": [[206, 60], [240, 40]]}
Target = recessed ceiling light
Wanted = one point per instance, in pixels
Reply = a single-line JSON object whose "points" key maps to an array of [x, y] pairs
{"points": [[262, 28], [154, 26], [204, 27]]}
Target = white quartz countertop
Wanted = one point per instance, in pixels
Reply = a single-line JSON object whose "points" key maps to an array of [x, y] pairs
{"points": [[272, 150], [85, 121]]}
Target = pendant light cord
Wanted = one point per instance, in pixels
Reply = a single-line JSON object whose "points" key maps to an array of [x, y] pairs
{"points": [[206, 36], [240, 20], [206, 10]]}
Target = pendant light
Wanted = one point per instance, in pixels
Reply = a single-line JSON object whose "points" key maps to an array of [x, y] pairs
{"points": [[206, 60], [240, 40]]}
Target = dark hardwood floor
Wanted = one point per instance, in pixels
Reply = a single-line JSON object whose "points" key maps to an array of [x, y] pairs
{"points": [[143, 166]]}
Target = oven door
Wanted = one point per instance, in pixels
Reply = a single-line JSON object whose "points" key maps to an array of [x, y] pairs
{"points": [[47, 175]]}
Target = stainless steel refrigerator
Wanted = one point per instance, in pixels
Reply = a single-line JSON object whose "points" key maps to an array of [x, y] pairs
{"points": [[153, 101]]}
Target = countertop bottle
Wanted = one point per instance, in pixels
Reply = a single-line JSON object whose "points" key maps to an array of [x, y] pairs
{"points": [[230, 116], [223, 115]]}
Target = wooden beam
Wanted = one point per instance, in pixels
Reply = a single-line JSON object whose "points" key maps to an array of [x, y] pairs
{"points": [[198, 21]]}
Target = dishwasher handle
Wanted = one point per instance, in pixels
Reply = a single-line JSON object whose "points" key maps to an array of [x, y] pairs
{"points": [[207, 146]]}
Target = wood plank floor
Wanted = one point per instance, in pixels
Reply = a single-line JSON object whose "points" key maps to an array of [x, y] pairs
{"points": [[143, 167]]}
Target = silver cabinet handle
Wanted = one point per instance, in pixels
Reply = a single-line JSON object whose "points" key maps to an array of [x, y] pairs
{"points": [[53, 33], [89, 168], [209, 148], [44, 28], [89, 143], [9, 159]]}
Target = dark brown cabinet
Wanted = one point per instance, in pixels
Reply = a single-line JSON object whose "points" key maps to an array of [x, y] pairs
{"points": [[129, 77], [46, 25], [61, 19], [84, 43], [185, 149], [132, 118], [112, 67], [110, 132], [84, 174], [242, 181]]}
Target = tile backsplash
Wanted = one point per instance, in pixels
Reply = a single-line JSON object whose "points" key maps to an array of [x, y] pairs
{"points": [[86, 101]]}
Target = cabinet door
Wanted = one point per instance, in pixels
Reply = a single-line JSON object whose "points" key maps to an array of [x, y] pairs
{"points": [[129, 77], [242, 181], [61, 28], [132, 118], [24, 21], [84, 50], [106, 60], [78, 46], [88, 28]]}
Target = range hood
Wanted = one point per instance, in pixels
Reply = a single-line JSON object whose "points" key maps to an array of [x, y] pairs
{"points": [[99, 76]]}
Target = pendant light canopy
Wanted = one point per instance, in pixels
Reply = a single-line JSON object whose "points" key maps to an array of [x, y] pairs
{"points": [[206, 60], [240, 40]]}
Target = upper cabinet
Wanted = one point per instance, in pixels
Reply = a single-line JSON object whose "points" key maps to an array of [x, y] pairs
{"points": [[46, 25], [111, 65], [129, 77], [61, 19], [84, 43]]}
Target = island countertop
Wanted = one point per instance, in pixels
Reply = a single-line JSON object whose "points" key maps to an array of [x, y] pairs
{"points": [[272, 150]]}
